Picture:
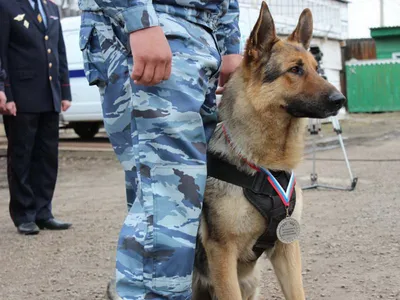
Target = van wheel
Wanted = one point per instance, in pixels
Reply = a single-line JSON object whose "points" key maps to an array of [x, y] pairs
{"points": [[86, 130]]}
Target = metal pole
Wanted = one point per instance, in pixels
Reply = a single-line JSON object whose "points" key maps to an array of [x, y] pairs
{"points": [[338, 130], [313, 175], [382, 5], [345, 156]]}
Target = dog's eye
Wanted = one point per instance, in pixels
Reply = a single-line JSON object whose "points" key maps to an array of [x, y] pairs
{"points": [[297, 70]]}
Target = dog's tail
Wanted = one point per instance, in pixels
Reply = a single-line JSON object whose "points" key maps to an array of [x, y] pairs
{"points": [[112, 292]]}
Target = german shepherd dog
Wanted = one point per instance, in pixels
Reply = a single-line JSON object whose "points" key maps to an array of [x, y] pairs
{"points": [[262, 108]]}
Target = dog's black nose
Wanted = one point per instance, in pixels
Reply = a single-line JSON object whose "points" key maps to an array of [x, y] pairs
{"points": [[337, 98]]}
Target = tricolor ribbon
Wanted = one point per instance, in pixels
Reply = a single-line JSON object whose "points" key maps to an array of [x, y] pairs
{"points": [[284, 195]]}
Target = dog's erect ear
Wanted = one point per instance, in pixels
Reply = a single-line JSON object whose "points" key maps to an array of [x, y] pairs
{"points": [[263, 36], [303, 32]]}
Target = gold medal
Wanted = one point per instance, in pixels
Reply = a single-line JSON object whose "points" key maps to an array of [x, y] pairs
{"points": [[39, 18]]}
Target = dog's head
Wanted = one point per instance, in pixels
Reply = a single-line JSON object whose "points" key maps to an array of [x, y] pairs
{"points": [[282, 74]]}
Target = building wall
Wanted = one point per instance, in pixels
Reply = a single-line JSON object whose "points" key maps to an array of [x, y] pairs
{"points": [[332, 59], [387, 46], [330, 16], [330, 26]]}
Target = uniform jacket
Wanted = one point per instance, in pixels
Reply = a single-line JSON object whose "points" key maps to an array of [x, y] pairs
{"points": [[221, 16], [35, 60]]}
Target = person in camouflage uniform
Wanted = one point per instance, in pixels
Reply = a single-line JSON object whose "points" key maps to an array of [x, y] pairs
{"points": [[156, 64]]}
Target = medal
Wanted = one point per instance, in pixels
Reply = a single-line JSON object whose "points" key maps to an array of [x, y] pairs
{"points": [[288, 229], [39, 18]]}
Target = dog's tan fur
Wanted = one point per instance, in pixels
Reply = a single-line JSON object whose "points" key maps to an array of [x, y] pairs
{"points": [[255, 112]]}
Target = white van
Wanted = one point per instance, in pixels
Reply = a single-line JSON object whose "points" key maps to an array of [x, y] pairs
{"points": [[85, 114]]}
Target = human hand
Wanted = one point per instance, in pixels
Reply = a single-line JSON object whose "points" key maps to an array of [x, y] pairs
{"points": [[230, 63], [152, 56], [65, 104], [3, 100], [11, 108]]}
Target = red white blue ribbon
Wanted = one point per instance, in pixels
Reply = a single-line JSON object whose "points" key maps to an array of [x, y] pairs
{"points": [[285, 195]]}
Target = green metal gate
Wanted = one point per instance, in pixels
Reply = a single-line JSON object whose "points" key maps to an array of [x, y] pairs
{"points": [[373, 85]]}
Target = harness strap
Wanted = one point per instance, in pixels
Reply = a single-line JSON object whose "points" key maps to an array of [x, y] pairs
{"points": [[219, 168], [259, 192], [274, 212]]}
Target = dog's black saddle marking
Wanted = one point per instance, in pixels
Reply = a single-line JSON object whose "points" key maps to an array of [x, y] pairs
{"points": [[259, 192]]}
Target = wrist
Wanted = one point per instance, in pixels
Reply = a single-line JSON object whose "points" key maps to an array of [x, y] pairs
{"points": [[232, 56], [144, 31], [148, 18]]}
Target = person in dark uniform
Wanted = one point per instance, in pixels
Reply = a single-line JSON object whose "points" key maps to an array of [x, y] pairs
{"points": [[3, 97], [37, 88]]}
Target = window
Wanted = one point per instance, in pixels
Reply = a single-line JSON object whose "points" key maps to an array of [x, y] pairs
{"points": [[396, 55]]}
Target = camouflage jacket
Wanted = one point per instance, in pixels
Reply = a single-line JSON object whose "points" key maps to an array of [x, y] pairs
{"points": [[221, 16]]}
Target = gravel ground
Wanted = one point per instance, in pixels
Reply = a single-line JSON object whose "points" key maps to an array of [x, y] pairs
{"points": [[350, 240]]}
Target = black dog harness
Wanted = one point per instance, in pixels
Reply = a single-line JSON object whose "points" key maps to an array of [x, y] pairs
{"points": [[261, 191]]}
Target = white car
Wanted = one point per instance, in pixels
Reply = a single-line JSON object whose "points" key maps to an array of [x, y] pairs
{"points": [[85, 114]]}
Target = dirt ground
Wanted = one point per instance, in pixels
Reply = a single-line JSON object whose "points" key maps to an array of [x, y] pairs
{"points": [[350, 240]]}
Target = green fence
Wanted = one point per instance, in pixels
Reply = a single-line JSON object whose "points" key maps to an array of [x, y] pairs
{"points": [[373, 85]]}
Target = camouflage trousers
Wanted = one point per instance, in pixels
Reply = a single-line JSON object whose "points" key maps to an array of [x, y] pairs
{"points": [[160, 136]]}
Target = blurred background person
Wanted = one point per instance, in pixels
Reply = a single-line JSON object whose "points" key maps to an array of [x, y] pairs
{"points": [[37, 88]]}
